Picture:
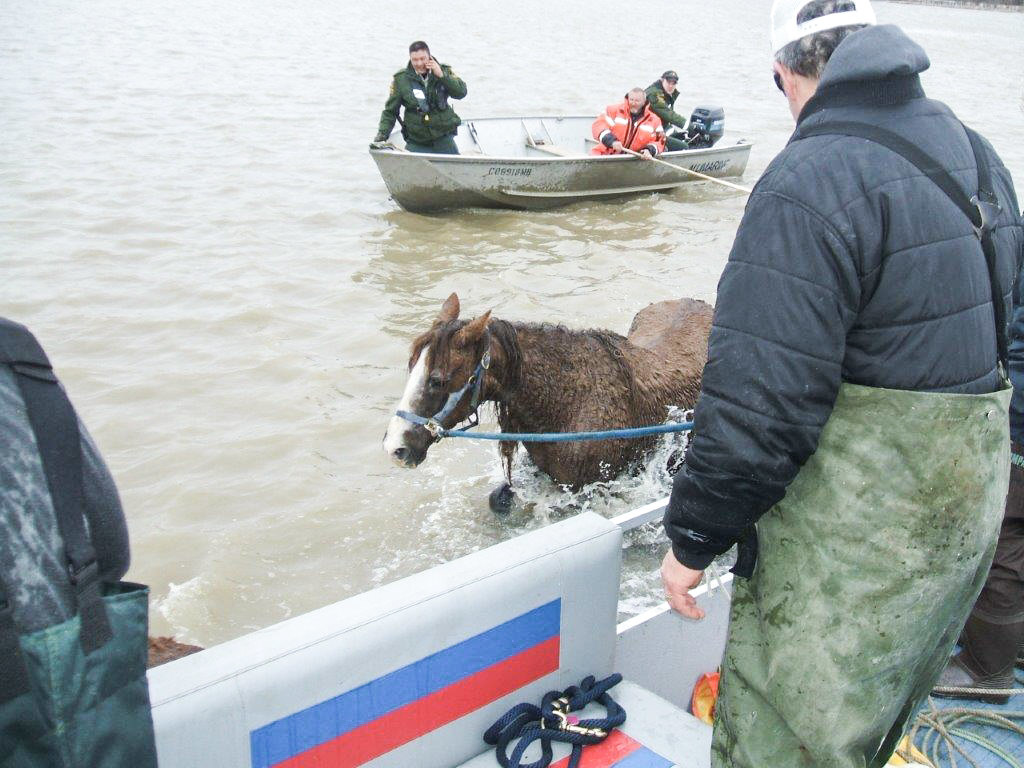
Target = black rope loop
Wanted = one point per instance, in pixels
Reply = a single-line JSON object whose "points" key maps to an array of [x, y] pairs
{"points": [[550, 722]]}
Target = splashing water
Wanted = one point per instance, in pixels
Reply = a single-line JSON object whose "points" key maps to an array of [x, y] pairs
{"points": [[458, 520]]}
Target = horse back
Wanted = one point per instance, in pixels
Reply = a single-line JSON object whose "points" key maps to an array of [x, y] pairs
{"points": [[673, 328]]}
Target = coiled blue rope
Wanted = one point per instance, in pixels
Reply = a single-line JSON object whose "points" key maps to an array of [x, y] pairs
{"points": [[546, 437], [526, 723]]}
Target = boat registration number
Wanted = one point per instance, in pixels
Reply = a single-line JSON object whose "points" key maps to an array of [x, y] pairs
{"points": [[507, 170]]}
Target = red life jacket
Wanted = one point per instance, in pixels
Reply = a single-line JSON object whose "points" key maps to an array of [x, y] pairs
{"points": [[634, 134]]}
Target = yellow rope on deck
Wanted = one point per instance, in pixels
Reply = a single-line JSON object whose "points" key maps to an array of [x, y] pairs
{"points": [[938, 727]]}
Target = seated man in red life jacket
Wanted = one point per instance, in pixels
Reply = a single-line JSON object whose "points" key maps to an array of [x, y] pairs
{"points": [[630, 124]]}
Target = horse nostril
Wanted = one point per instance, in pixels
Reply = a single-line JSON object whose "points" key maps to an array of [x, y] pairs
{"points": [[400, 453]]}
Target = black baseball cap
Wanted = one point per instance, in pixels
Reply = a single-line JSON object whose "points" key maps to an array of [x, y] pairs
{"points": [[670, 75]]}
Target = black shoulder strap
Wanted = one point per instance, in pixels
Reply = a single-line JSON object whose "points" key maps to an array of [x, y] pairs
{"points": [[55, 427], [981, 209]]}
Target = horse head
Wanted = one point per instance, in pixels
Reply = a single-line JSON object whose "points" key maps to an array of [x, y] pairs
{"points": [[447, 370]]}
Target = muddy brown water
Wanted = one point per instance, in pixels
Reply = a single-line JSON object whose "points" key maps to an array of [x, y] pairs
{"points": [[191, 224]]}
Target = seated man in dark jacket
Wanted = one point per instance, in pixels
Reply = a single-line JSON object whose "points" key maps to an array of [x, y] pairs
{"points": [[853, 404], [421, 91], [662, 95]]}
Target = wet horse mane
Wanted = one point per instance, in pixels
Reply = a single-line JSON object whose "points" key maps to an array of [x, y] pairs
{"points": [[504, 333]]}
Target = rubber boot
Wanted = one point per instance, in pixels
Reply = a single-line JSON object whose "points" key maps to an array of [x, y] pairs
{"points": [[501, 498], [985, 661]]}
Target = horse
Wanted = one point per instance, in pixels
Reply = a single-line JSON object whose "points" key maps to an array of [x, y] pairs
{"points": [[549, 378]]}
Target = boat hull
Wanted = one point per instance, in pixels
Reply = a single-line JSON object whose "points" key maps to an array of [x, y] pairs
{"points": [[530, 177]]}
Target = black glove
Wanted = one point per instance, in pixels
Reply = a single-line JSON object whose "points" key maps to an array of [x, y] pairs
{"points": [[608, 139], [650, 149]]}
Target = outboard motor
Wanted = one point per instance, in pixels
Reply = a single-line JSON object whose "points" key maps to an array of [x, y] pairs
{"points": [[707, 124]]}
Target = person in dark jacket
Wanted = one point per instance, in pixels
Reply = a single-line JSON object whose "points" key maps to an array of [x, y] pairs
{"points": [[852, 406], [73, 688], [421, 91], [661, 96], [31, 551]]}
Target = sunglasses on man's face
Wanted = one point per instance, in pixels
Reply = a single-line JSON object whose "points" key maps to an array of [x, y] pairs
{"points": [[778, 82]]}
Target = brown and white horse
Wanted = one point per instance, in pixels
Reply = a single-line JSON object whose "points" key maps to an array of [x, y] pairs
{"points": [[549, 378]]}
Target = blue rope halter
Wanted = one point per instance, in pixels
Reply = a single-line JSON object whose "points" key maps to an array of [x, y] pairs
{"points": [[476, 382]]}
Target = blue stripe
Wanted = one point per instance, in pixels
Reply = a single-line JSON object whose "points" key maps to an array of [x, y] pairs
{"points": [[643, 758], [323, 722]]}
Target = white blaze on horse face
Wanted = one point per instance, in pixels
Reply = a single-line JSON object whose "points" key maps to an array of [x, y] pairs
{"points": [[398, 428]]}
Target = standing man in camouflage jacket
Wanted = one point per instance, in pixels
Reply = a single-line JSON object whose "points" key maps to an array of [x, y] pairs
{"points": [[423, 89]]}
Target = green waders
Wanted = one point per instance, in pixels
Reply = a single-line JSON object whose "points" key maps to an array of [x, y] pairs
{"points": [[73, 695], [83, 710], [866, 572]]}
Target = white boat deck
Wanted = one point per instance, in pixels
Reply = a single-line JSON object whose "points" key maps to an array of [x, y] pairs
{"points": [[414, 672], [534, 137]]}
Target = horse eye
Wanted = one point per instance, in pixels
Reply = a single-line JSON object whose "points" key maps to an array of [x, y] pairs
{"points": [[435, 382]]}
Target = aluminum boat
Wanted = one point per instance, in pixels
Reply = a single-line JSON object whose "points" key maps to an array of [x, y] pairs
{"points": [[533, 163]]}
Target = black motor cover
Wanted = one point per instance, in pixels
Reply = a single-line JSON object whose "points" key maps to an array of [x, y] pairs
{"points": [[707, 124]]}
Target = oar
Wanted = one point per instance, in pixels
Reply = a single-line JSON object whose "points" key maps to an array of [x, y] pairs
{"points": [[689, 171]]}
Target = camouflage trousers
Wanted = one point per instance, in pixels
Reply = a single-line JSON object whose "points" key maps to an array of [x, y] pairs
{"points": [[866, 572]]}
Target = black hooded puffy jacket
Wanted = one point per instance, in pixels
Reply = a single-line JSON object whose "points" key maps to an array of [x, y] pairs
{"points": [[849, 265]]}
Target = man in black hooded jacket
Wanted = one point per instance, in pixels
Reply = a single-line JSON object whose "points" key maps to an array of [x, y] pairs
{"points": [[851, 269]]}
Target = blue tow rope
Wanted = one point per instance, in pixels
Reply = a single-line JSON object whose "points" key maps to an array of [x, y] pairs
{"points": [[438, 432]]}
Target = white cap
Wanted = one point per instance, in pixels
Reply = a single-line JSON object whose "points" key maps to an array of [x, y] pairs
{"points": [[785, 30]]}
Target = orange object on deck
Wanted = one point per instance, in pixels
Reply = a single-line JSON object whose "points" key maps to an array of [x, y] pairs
{"points": [[705, 694]]}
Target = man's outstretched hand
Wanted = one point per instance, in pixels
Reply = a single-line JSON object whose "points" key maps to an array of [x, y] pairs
{"points": [[678, 580]]}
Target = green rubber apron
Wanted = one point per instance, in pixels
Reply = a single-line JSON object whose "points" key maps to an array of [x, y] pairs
{"points": [[868, 567], [866, 572], [72, 695]]}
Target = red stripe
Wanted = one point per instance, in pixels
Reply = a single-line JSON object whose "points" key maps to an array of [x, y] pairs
{"points": [[606, 753], [407, 723]]}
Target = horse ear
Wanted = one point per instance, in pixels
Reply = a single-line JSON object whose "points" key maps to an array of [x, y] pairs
{"points": [[449, 310], [472, 331]]}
